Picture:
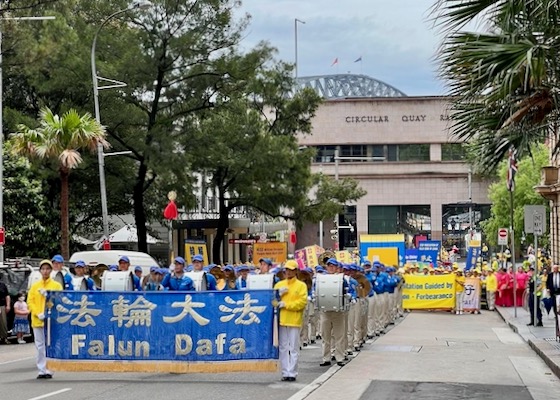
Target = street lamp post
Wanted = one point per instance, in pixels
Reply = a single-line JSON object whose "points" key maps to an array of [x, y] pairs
{"points": [[137, 5], [1, 123], [296, 43]]}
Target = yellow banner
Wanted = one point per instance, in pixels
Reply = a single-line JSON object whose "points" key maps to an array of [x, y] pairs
{"points": [[425, 292], [194, 248], [276, 251], [311, 256], [344, 256]]}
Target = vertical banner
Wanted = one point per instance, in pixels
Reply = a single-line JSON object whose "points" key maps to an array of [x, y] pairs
{"points": [[193, 248], [311, 256], [471, 298], [428, 251], [472, 254]]}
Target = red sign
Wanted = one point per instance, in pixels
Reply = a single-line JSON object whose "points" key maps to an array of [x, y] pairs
{"points": [[503, 233], [106, 245], [2, 237]]}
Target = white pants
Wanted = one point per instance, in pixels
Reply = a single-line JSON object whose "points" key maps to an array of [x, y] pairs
{"points": [[459, 301], [40, 344], [288, 349], [491, 299]]}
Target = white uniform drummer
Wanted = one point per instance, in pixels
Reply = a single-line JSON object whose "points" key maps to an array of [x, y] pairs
{"points": [[333, 328]]}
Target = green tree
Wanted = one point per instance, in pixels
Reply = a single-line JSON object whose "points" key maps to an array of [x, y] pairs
{"points": [[503, 80], [59, 139], [528, 176], [29, 217]]}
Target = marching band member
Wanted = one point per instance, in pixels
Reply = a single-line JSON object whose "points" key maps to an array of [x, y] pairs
{"points": [[370, 276], [153, 281], [57, 265], [79, 271], [137, 277], [198, 267], [293, 299], [178, 280], [243, 272], [382, 278], [231, 281], [353, 313], [333, 327]]}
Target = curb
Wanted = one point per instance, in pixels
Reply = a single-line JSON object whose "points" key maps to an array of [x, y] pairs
{"points": [[539, 347]]}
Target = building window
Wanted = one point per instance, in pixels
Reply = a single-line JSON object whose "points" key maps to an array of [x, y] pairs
{"points": [[378, 153], [356, 150], [325, 154], [414, 152], [452, 152], [392, 152]]}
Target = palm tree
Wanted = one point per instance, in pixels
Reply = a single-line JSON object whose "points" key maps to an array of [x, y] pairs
{"points": [[60, 138], [504, 80]]}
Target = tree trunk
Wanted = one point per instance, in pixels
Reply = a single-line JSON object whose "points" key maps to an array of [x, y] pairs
{"points": [[139, 215], [64, 224], [223, 225]]}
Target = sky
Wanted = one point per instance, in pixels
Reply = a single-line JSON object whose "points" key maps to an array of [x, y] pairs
{"points": [[395, 39]]}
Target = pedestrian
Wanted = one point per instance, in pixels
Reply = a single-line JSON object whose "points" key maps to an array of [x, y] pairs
{"points": [[535, 284], [21, 322], [491, 288], [37, 301], [5, 305], [293, 299]]}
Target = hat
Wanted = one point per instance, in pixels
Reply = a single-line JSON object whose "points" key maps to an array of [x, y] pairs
{"points": [[242, 268], [124, 258], [80, 263], [266, 260], [291, 265], [48, 262], [367, 262], [138, 268], [58, 258], [160, 271], [198, 258], [228, 268], [113, 268], [153, 269], [179, 260], [332, 261]]}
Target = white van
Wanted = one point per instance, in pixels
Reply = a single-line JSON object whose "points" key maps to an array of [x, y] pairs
{"points": [[110, 257]]}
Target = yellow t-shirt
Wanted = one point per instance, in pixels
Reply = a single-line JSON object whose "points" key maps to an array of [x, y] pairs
{"points": [[492, 283], [36, 301], [459, 284]]}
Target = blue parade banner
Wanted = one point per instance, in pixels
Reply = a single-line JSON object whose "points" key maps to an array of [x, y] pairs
{"points": [[411, 255], [428, 251], [472, 255], [173, 326]]}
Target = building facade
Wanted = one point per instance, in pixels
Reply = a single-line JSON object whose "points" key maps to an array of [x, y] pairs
{"points": [[402, 153]]}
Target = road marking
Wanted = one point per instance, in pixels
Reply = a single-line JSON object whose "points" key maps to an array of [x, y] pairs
{"points": [[43, 396], [19, 359]]}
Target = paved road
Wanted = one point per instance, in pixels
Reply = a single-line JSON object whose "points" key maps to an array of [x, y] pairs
{"points": [[425, 356]]}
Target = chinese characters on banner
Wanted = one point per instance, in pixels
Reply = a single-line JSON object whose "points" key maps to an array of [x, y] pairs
{"points": [[471, 298], [182, 326]]}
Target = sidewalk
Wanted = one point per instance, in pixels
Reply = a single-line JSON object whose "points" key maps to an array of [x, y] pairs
{"points": [[439, 355], [541, 339]]}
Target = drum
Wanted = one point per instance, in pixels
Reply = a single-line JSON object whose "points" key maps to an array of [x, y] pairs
{"points": [[79, 283], [329, 291], [264, 281], [199, 280], [117, 281], [36, 276]]}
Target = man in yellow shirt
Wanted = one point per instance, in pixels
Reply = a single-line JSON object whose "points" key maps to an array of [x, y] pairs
{"points": [[491, 289], [36, 301], [293, 299]]}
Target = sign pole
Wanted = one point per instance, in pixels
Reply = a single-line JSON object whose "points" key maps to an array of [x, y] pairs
{"points": [[536, 275], [513, 255]]}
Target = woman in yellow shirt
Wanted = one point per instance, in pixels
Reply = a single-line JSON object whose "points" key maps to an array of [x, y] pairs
{"points": [[491, 289], [459, 292]]}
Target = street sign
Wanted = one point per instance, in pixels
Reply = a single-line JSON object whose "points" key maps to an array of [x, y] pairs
{"points": [[502, 237], [538, 224], [2, 237], [529, 213]]}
